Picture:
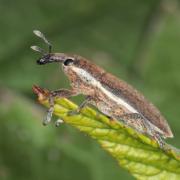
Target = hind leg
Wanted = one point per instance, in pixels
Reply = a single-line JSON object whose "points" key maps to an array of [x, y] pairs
{"points": [[157, 137], [142, 125]]}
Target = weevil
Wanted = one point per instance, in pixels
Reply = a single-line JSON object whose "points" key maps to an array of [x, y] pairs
{"points": [[113, 97]]}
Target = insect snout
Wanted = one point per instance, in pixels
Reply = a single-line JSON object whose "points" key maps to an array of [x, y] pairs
{"points": [[43, 60]]}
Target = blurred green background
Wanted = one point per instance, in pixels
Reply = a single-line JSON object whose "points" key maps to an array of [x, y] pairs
{"points": [[138, 41]]}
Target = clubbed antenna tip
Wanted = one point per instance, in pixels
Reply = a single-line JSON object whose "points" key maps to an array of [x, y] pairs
{"points": [[42, 36], [38, 33], [38, 49]]}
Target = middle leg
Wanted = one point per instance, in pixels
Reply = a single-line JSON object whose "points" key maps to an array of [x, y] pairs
{"points": [[81, 106]]}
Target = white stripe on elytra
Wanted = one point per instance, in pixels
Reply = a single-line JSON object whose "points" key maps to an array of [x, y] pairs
{"points": [[87, 77]]}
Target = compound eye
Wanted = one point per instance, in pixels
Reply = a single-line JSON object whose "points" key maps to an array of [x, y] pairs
{"points": [[68, 61]]}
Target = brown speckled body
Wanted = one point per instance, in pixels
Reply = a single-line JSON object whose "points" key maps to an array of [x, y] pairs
{"points": [[110, 95], [117, 87]]}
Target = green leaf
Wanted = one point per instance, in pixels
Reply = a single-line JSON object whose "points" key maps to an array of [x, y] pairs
{"points": [[137, 153]]}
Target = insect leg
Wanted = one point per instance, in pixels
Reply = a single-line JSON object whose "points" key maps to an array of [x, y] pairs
{"points": [[134, 120], [58, 122], [131, 116], [141, 124], [81, 106], [64, 93], [158, 139]]}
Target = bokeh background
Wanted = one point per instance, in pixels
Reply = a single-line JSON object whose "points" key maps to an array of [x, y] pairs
{"points": [[138, 41]]}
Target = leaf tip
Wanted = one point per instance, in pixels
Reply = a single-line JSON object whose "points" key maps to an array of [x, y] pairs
{"points": [[40, 92]]}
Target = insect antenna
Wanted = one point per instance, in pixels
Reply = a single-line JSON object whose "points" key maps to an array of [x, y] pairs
{"points": [[38, 49], [42, 36]]}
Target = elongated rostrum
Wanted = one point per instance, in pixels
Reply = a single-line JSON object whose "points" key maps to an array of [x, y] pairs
{"points": [[112, 96]]}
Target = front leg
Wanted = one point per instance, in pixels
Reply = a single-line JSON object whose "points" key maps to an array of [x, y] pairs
{"points": [[63, 93]]}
